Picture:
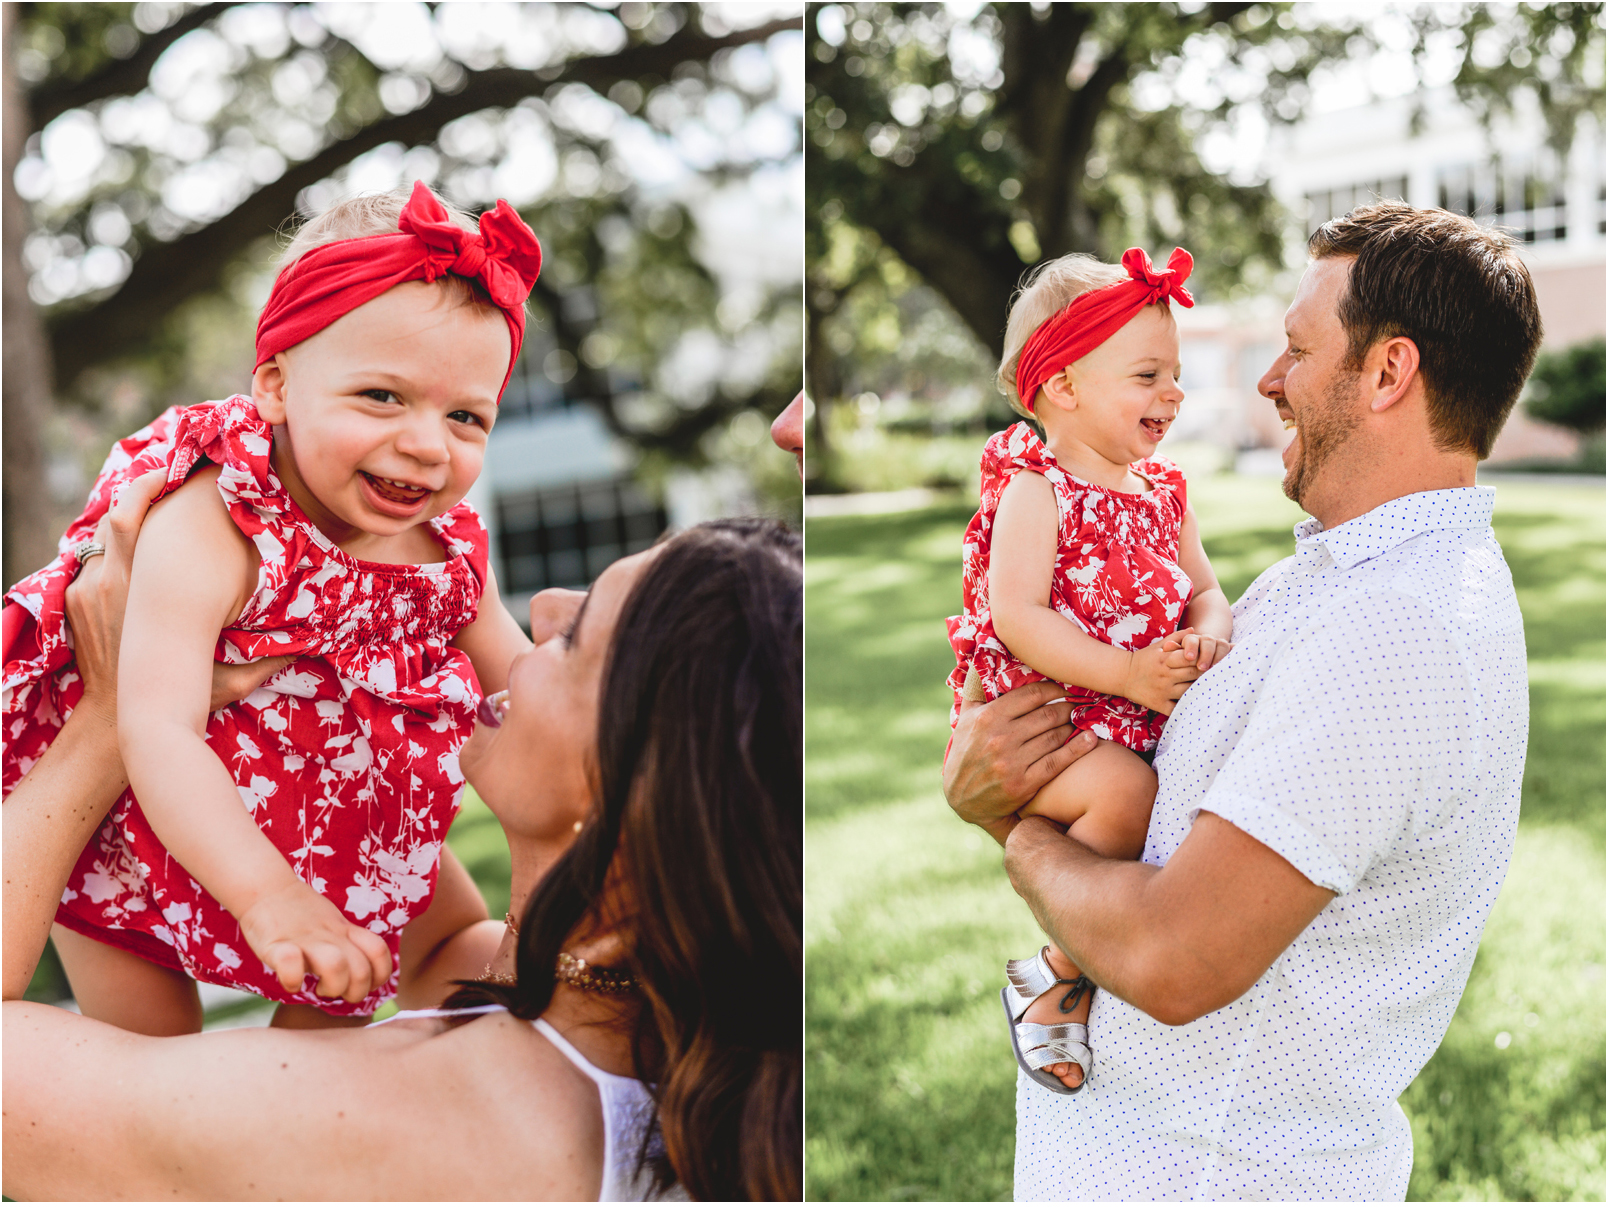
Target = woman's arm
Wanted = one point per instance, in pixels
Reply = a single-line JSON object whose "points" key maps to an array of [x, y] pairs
{"points": [[1024, 549], [47, 821], [52, 813], [192, 574], [487, 1111]]}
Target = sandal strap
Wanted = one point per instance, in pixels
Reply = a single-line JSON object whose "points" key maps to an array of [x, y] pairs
{"points": [[1033, 977], [1079, 988], [1044, 1044]]}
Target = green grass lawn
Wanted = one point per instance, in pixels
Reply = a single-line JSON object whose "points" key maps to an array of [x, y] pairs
{"points": [[910, 1085]]}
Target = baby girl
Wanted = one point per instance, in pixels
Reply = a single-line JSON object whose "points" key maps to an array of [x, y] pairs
{"points": [[280, 844], [1087, 570]]}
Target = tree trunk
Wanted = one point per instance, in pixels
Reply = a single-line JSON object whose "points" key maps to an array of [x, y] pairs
{"points": [[25, 389]]}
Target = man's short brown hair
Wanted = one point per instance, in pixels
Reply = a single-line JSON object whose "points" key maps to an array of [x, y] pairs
{"points": [[1455, 289]]}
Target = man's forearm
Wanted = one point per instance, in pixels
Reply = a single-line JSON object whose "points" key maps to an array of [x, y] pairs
{"points": [[1176, 941], [1096, 909]]}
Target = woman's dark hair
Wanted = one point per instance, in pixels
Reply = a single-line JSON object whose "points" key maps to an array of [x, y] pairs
{"points": [[700, 774], [1455, 289]]}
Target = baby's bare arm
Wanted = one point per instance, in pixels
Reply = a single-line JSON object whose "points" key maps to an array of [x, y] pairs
{"points": [[493, 640], [1024, 548], [1207, 633], [193, 572]]}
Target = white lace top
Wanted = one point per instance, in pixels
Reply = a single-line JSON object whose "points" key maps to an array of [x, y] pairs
{"points": [[628, 1109]]}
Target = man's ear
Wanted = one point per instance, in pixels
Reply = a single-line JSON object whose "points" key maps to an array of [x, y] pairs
{"points": [[269, 389], [1392, 367]]}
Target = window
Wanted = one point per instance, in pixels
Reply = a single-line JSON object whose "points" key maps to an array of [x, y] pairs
{"points": [[1529, 200], [565, 536], [1527, 197], [1335, 203]]}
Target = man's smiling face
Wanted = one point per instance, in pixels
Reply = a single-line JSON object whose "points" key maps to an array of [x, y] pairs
{"points": [[1316, 395]]}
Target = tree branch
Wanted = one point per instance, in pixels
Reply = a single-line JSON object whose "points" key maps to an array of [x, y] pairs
{"points": [[120, 77], [166, 274]]}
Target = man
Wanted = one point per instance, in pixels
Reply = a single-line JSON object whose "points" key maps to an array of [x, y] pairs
{"points": [[1337, 798]]}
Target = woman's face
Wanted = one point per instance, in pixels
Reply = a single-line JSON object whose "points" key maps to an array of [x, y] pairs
{"points": [[537, 770]]}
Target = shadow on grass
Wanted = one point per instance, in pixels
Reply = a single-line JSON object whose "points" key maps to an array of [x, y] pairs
{"points": [[1564, 776], [1486, 1126], [910, 1087]]}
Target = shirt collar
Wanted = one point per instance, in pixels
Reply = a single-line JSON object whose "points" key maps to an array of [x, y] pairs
{"points": [[1398, 520]]}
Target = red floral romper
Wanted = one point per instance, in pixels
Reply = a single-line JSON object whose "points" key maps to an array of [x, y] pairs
{"points": [[348, 759], [1115, 577]]}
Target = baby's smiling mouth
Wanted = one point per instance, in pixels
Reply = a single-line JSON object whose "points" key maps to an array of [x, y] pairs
{"points": [[1156, 427], [398, 492]]}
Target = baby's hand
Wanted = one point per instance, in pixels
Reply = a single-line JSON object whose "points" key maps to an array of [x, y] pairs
{"points": [[1187, 648], [1152, 680], [295, 932]]}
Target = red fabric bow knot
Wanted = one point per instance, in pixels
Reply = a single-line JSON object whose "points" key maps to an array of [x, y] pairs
{"points": [[1094, 317], [1161, 284], [335, 278]]}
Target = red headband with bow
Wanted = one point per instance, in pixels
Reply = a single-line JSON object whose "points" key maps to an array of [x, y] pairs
{"points": [[335, 278], [1094, 317]]}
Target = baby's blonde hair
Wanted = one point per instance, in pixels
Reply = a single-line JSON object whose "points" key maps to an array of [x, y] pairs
{"points": [[1048, 289], [368, 214]]}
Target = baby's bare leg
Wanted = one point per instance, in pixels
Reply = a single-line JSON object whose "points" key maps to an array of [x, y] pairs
{"points": [[118, 987], [299, 1016], [1104, 799]]}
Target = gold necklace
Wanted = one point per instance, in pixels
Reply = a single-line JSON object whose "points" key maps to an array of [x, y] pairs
{"points": [[501, 978], [573, 970]]}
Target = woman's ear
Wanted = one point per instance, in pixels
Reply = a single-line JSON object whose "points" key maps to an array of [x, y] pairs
{"points": [[269, 389]]}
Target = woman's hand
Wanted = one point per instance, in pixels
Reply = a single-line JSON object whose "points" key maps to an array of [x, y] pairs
{"points": [[96, 599]]}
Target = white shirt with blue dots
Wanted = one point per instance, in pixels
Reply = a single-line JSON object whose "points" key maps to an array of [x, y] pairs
{"points": [[1369, 726]]}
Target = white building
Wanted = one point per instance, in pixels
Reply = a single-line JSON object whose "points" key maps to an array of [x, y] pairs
{"points": [[1330, 163], [556, 488]]}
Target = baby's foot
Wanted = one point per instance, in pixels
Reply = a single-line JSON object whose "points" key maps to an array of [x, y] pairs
{"points": [[1046, 1010]]}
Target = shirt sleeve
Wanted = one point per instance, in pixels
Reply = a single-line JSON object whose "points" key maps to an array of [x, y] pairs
{"points": [[1362, 723]]}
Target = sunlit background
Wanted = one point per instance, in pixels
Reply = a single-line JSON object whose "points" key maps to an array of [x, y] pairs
{"points": [[950, 152], [949, 148], [155, 150]]}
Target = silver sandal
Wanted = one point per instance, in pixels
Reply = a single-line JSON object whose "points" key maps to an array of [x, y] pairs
{"points": [[1038, 1045]]}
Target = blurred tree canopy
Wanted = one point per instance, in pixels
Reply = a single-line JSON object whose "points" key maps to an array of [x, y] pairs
{"points": [[1569, 387], [958, 147], [153, 149]]}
